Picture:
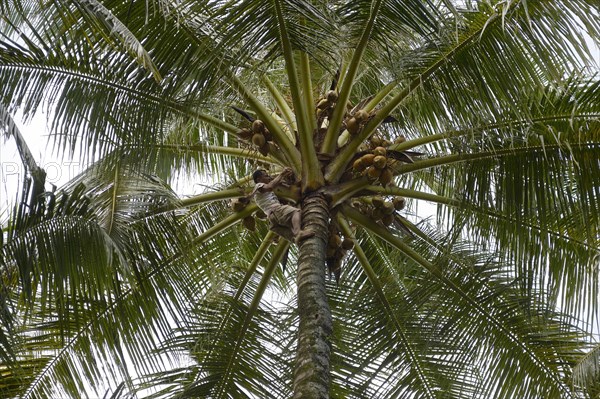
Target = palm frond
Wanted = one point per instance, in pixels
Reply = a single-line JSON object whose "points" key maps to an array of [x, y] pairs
{"points": [[394, 20], [251, 29], [56, 78], [450, 81], [99, 15], [585, 372], [500, 322]]}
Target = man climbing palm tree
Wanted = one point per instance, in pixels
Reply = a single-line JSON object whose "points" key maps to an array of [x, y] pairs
{"points": [[285, 220]]}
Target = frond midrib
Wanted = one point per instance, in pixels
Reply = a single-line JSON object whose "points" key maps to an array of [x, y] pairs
{"points": [[138, 94]]}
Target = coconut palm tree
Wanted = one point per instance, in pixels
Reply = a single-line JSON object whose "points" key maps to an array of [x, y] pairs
{"points": [[118, 285]]}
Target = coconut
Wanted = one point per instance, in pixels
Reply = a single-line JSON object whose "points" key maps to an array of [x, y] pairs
{"points": [[259, 139], [377, 201], [347, 175], [347, 244], [260, 214], [332, 96], [386, 143], [387, 220], [379, 161], [258, 126], [386, 177], [375, 141], [237, 205], [352, 125], [373, 173], [249, 223], [399, 140], [268, 135], [358, 165], [335, 240], [264, 149], [361, 115], [367, 159], [388, 207], [399, 203], [380, 151]]}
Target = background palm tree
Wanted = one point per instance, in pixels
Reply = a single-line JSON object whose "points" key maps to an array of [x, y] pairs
{"points": [[489, 109]]}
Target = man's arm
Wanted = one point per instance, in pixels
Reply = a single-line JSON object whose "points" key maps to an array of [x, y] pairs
{"points": [[262, 187], [277, 180]]}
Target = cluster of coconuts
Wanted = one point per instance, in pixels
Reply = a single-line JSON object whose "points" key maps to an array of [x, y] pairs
{"points": [[258, 135], [356, 121], [326, 103], [380, 209], [376, 141], [375, 166], [337, 247], [353, 123]]}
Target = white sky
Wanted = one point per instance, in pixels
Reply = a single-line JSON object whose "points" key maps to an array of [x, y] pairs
{"points": [[11, 167]]}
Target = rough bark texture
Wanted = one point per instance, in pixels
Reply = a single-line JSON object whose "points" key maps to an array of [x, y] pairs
{"points": [[311, 374]]}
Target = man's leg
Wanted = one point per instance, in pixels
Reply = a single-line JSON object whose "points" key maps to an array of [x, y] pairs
{"points": [[282, 231], [300, 234]]}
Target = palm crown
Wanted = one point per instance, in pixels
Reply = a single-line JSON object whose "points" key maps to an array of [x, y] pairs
{"points": [[488, 109]]}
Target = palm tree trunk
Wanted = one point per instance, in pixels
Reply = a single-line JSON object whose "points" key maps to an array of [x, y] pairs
{"points": [[311, 374]]}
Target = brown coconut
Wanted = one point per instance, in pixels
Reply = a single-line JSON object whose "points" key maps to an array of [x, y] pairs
{"points": [[377, 201], [237, 205], [367, 159], [332, 96], [399, 203], [387, 220], [358, 165], [348, 244], [245, 134], [264, 149], [249, 223], [386, 176], [258, 139], [361, 115], [379, 161], [375, 141], [380, 151], [335, 240], [352, 125], [373, 173], [258, 126]]}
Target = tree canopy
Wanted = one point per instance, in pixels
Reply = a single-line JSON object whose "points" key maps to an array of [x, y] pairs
{"points": [[119, 285]]}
